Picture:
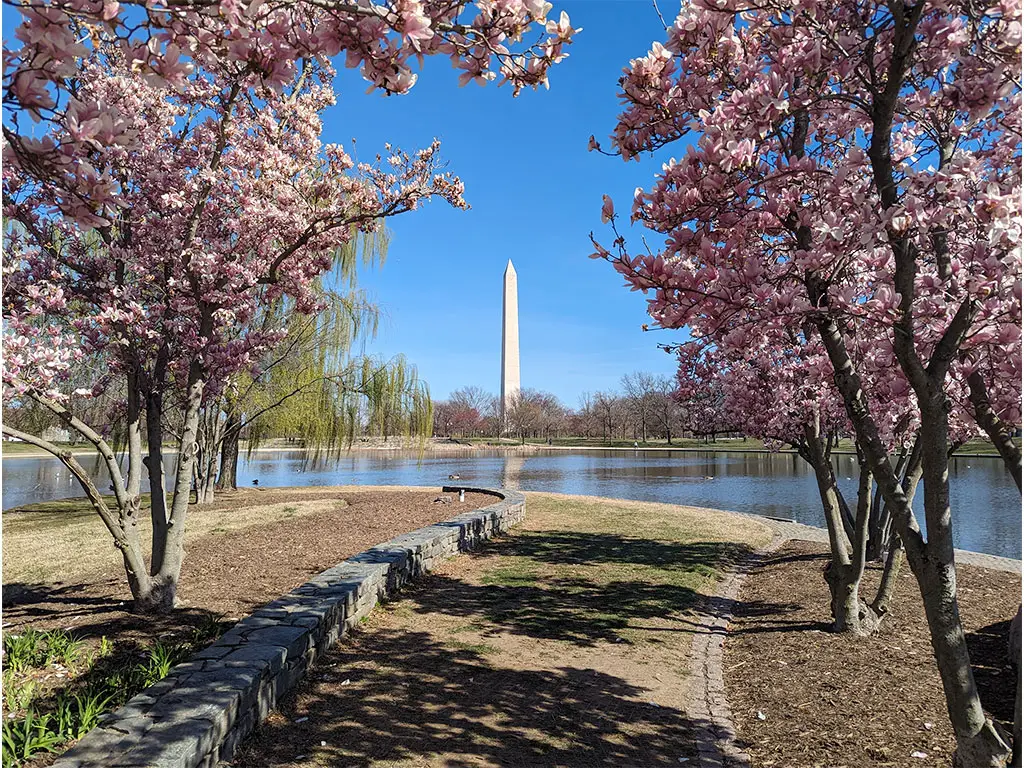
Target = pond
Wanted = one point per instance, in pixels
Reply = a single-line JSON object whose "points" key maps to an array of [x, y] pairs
{"points": [[986, 504]]}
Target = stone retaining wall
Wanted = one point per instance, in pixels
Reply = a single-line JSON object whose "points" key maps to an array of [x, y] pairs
{"points": [[198, 714]]}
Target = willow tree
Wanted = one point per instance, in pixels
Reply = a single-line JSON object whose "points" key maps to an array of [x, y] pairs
{"points": [[312, 386]]}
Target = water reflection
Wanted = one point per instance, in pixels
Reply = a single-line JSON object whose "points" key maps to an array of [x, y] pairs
{"points": [[986, 504], [511, 471]]}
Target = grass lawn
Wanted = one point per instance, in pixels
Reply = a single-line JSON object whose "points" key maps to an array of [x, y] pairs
{"points": [[15, 448], [565, 643]]}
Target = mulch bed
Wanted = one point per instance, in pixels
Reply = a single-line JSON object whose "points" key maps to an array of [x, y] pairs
{"points": [[831, 700], [228, 575]]}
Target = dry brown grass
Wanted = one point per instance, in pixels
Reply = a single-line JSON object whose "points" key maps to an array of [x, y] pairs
{"points": [[65, 541], [645, 519]]}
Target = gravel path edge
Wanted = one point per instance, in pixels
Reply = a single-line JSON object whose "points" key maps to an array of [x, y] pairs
{"points": [[715, 737]]}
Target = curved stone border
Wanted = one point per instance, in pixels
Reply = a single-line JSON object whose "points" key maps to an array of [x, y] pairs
{"points": [[716, 738], [197, 715]]}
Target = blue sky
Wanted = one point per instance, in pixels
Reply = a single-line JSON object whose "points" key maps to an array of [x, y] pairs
{"points": [[535, 193]]}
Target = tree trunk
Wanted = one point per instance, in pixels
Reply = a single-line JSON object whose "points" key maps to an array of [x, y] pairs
{"points": [[846, 568], [165, 580], [154, 462], [908, 471], [227, 480], [131, 552], [887, 585], [978, 744], [205, 487], [129, 512], [208, 448]]}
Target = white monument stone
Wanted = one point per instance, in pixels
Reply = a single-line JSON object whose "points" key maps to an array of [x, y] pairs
{"points": [[509, 340]]}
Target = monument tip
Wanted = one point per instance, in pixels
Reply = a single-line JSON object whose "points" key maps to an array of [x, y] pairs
{"points": [[509, 267]]}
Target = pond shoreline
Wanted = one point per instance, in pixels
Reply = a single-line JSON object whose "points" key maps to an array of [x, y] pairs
{"points": [[785, 527], [528, 448]]}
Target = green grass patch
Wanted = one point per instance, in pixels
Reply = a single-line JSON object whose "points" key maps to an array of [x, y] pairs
{"points": [[482, 649], [473, 626], [33, 649], [14, 448], [583, 571], [516, 572]]}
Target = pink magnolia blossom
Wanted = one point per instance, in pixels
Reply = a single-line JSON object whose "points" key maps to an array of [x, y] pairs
{"points": [[850, 178], [749, 215]]}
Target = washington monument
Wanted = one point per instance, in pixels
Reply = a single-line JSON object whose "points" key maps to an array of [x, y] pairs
{"points": [[509, 341]]}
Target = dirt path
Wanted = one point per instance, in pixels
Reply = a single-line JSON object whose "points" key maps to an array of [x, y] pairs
{"points": [[564, 644]]}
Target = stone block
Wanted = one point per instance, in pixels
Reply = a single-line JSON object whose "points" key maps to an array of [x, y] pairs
{"points": [[267, 659], [294, 639]]}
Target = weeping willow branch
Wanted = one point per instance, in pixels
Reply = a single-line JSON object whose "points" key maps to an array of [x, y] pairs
{"points": [[311, 386]]}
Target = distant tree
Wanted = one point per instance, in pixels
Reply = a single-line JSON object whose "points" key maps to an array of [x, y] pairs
{"points": [[553, 415], [584, 421], [472, 397], [612, 415], [470, 405], [666, 413], [444, 418], [531, 412], [703, 410]]}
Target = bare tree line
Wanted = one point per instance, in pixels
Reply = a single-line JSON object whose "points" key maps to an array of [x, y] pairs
{"points": [[645, 408]]}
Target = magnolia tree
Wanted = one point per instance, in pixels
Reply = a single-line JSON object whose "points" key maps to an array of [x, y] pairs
{"points": [[164, 179], [227, 200], [780, 390], [852, 174]]}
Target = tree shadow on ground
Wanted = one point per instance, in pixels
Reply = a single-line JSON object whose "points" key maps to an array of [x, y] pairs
{"points": [[571, 610], [776, 612], [396, 695], [993, 672], [38, 598], [400, 694], [578, 609], [89, 612], [575, 548]]}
